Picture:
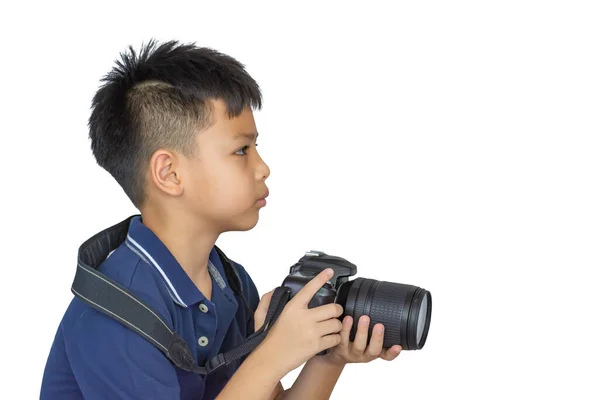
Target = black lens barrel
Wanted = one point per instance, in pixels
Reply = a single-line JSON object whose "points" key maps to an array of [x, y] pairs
{"points": [[397, 306]]}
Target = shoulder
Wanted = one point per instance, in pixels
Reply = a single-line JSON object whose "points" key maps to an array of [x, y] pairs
{"points": [[103, 350], [129, 270]]}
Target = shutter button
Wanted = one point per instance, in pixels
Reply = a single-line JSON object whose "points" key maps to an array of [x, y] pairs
{"points": [[203, 308], [203, 341]]}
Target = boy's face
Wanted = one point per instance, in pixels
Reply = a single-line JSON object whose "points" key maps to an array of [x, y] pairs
{"points": [[222, 186]]}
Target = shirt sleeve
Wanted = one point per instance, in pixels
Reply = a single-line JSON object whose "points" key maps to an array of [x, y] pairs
{"points": [[110, 361]]}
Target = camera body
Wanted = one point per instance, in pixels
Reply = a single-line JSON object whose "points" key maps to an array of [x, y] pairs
{"points": [[313, 263]]}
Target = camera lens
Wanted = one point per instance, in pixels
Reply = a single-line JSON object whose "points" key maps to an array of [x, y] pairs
{"points": [[404, 310], [422, 319]]}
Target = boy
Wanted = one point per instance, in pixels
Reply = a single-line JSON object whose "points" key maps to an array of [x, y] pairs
{"points": [[174, 127]]}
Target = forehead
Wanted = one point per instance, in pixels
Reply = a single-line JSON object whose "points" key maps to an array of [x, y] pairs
{"points": [[227, 128]]}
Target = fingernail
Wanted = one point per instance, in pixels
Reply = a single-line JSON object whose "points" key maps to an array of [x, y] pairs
{"points": [[379, 330], [329, 271], [364, 320]]}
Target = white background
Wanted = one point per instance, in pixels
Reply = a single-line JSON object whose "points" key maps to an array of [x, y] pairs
{"points": [[451, 145]]}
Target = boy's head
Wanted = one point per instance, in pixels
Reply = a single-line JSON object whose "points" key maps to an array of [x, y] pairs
{"points": [[174, 126]]}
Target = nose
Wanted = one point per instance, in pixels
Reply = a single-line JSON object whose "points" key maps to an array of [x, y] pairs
{"points": [[262, 171]]}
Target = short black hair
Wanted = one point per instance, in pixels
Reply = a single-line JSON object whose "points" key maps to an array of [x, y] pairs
{"points": [[159, 99]]}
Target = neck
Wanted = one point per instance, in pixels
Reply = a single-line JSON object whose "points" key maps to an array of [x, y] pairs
{"points": [[189, 244]]}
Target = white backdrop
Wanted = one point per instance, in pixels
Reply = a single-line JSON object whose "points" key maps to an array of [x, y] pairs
{"points": [[449, 145]]}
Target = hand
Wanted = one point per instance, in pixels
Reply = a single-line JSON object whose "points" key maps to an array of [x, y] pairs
{"points": [[261, 310], [299, 333], [357, 351]]}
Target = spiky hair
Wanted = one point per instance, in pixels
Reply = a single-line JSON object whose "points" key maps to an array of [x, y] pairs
{"points": [[159, 99]]}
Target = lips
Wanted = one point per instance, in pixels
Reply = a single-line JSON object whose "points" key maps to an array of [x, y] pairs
{"points": [[265, 195], [262, 201]]}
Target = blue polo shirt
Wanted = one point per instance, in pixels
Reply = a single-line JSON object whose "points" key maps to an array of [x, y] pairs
{"points": [[96, 357]]}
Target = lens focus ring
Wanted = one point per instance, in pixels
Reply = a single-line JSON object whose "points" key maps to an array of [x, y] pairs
{"points": [[383, 305], [387, 308]]}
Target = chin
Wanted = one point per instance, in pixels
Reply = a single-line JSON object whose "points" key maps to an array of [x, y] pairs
{"points": [[243, 223]]}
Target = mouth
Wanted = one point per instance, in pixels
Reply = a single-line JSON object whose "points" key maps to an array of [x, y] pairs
{"points": [[262, 201], [265, 195]]}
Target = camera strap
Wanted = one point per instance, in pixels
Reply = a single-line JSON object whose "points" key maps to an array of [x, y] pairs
{"points": [[116, 301]]}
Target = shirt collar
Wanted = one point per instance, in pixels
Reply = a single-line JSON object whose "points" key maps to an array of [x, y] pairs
{"points": [[142, 241]]}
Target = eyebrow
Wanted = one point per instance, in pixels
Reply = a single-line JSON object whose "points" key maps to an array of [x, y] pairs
{"points": [[249, 135]]}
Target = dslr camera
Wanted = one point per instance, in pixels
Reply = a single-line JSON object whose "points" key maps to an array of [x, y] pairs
{"points": [[404, 310]]}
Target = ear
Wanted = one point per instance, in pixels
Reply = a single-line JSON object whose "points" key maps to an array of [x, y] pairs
{"points": [[164, 172]]}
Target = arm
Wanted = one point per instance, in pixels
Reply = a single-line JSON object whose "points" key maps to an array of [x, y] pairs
{"points": [[311, 330], [318, 377], [320, 374], [260, 307], [257, 378], [316, 381]]}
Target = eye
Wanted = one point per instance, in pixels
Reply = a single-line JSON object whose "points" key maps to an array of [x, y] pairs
{"points": [[243, 150]]}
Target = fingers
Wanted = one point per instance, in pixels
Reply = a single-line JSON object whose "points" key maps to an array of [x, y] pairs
{"points": [[304, 296], [265, 300], [329, 341], [328, 327], [391, 353], [262, 309], [263, 304], [376, 343], [362, 333], [346, 328], [326, 312]]}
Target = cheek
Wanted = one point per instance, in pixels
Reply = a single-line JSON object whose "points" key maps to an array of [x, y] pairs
{"points": [[231, 189]]}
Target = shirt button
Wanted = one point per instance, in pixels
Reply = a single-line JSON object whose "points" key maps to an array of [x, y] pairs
{"points": [[203, 341], [203, 308]]}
